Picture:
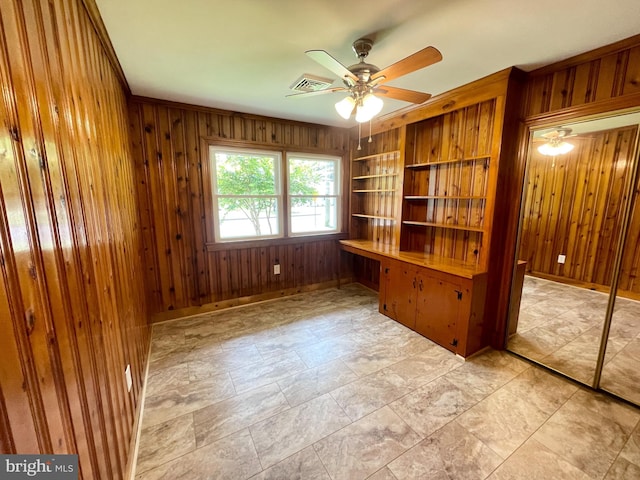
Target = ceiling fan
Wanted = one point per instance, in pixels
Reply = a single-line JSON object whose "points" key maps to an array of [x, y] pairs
{"points": [[366, 82], [554, 142]]}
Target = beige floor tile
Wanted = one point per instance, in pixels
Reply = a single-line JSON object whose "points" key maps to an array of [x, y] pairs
{"points": [[363, 396], [589, 431], [543, 389], [386, 353], [232, 458], [383, 474], [328, 350], [621, 374], [534, 461], [304, 465], [503, 421], [225, 361], [451, 452], [433, 405], [288, 432], [167, 379], [269, 371], [362, 448], [163, 442], [241, 411], [426, 366], [623, 470], [289, 340], [288, 359], [186, 398], [486, 373], [631, 450], [316, 381]]}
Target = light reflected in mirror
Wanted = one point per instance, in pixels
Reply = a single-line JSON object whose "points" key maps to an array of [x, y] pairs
{"points": [[572, 222]]}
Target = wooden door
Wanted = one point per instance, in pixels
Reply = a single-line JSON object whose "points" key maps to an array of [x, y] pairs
{"points": [[437, 310], [399, 301]]}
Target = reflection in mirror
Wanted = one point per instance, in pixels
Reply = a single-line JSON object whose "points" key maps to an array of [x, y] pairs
{"points": [[621, 370], [578, 177]]}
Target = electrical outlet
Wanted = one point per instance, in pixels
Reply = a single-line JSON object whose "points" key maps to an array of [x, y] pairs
{"points": [[276, 269], [127, 375], [562, 258]]}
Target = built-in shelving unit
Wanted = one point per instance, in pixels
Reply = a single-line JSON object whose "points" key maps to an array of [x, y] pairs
{"points": [[376, 190], [433, 197], [447, 177]]}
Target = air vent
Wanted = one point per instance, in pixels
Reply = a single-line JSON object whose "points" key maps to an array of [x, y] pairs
{"points": [[310, 83]]}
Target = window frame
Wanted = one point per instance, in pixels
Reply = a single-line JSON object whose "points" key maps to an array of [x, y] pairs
{"points": [[211, 216], [337, 181], [279, 189]]}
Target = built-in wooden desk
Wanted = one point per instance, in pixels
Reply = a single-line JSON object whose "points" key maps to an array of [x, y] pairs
{"points": [[442, 299]]}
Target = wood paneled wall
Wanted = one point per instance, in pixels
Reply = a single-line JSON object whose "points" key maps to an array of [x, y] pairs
{"points": [[601, 80], [72, 306], [184, 268], [574, 205]]}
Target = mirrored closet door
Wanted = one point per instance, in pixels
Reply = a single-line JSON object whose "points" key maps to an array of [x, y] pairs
{"points": [[579, 240], [621, 365]]}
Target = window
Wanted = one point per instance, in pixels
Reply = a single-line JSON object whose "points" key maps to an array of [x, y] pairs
{"points": [[246, 194], [248, 197], [313, 194]]}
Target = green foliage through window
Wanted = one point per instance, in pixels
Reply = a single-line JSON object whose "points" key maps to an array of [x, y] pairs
{"points": [[248, 193]]}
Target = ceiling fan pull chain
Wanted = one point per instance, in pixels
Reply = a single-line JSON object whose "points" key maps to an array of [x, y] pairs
{"points": [[359, 135], [370, 131]]}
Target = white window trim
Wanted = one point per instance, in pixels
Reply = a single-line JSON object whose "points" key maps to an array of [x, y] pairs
{"points": [[213, 149], [337, 161], [281, 170]]}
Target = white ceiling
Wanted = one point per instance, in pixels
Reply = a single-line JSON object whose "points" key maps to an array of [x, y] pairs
{"points": [[243, 55]]}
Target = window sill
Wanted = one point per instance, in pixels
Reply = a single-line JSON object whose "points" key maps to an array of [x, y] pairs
{"points": [[268, 242]]}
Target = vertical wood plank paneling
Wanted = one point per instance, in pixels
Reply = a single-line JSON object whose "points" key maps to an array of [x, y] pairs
{"points": [[72, 304], [573, 207], [178, 221], [599, 76]]}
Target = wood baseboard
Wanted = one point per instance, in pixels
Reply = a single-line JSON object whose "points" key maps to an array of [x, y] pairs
{"points": [[130, 472], [240, 301]]}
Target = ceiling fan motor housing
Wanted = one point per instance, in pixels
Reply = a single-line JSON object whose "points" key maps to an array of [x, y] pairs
{"points": [[362, 47], [362, 70]]}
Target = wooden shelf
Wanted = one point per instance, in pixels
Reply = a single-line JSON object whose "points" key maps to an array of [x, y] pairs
{"points": [[447, 162], [440, 225], [381, 175], [373, 191], [442, 197], [376, 155], [376, 217]]}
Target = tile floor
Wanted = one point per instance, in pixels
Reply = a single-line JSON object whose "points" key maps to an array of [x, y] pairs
{"points": [[321, 386], [561, 325]]}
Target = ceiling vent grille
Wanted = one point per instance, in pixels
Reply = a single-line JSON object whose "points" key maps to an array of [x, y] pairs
{"points": [[310, 83]]}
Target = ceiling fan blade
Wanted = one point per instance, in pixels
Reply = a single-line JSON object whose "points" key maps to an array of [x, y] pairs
{"points": [[423, 58], [401, 94], [330, 63], [318, 92]]}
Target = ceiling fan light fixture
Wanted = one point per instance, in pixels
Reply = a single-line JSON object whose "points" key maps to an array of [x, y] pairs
{"points": [[345, 106], [368, 108], [553, 149]]}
